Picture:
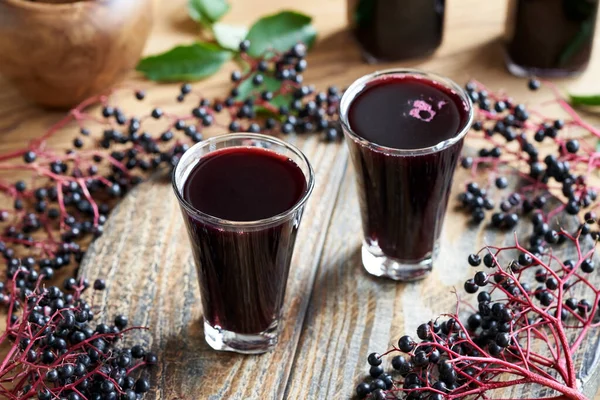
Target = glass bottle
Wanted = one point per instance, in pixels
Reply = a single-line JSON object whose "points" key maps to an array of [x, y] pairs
{"points": [[390, 30], [550, 38]]}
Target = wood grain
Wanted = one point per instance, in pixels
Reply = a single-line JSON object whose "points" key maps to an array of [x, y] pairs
{"points": [[334, 314]]}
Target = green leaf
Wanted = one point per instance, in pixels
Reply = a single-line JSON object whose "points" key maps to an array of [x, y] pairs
{"points": [[207, 11], [229, 36], [282, 100], [270, 84], [184, 63], [588, 100], [598, 146], [266, 113], [280, 32]]}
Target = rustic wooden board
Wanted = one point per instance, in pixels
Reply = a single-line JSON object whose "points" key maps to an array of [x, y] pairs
{"points": [[335, 313]]}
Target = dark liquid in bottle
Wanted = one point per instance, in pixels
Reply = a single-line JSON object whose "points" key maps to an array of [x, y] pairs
{"points": [[550, 37], [391, 30], [403, 198], [243, 271]]}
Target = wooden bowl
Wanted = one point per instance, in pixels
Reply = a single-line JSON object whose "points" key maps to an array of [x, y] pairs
{"points": [[59, 52]]}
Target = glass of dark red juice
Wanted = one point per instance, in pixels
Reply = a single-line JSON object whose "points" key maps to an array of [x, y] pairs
{"points": [[405, 131], [242, 197]]}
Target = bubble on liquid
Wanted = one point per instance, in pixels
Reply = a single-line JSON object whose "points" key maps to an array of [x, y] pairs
{"points": [[422, 110]]}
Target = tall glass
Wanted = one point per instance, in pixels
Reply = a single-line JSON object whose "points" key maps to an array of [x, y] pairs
{"points": [[242, 266], [403, 193]]}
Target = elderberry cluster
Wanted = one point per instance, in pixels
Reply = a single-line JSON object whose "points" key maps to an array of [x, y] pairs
{"points": [[155, 153], [451, 357], [425, 370], [62, 354], [476, 200], [295, 107], [494, 317], [505, 123], [37, 210], [492, 325]]}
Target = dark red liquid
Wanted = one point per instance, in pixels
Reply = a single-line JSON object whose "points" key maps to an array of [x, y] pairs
{"points": [[406, 113], [243, 271], [403, 198], [551, 37], [391, 30]]}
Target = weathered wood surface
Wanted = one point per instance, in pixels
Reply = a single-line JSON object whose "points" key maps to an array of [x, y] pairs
{"points": [[334, 313]]}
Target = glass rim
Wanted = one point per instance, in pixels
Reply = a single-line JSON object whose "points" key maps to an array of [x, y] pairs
{"points": [[310, 178], [358, 86]]}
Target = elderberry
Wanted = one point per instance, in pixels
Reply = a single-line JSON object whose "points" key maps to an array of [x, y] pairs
{"points": [[244, 46], [406, 344], [374, 359], [587, 265], [470, 286], [374, 371], [583, 307], [534, 84], [474, 260], [362, 390]]}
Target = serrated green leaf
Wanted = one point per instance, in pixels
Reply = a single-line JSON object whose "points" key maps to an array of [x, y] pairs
{"points": [[184, 63], [246, 89], [229, 36], [598, 146], [207, 12], [280, 32], [588, 100]]}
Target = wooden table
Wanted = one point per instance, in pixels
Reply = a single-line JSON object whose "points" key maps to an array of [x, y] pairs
{"points": [[327, 336]]}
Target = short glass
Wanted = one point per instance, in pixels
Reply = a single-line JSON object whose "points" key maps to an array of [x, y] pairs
{"points": [[403, 193], [242, 266]]}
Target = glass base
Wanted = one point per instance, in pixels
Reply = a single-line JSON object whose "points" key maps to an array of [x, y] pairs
{"points": [[223, 340], [378, 264], [525, 72]]}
